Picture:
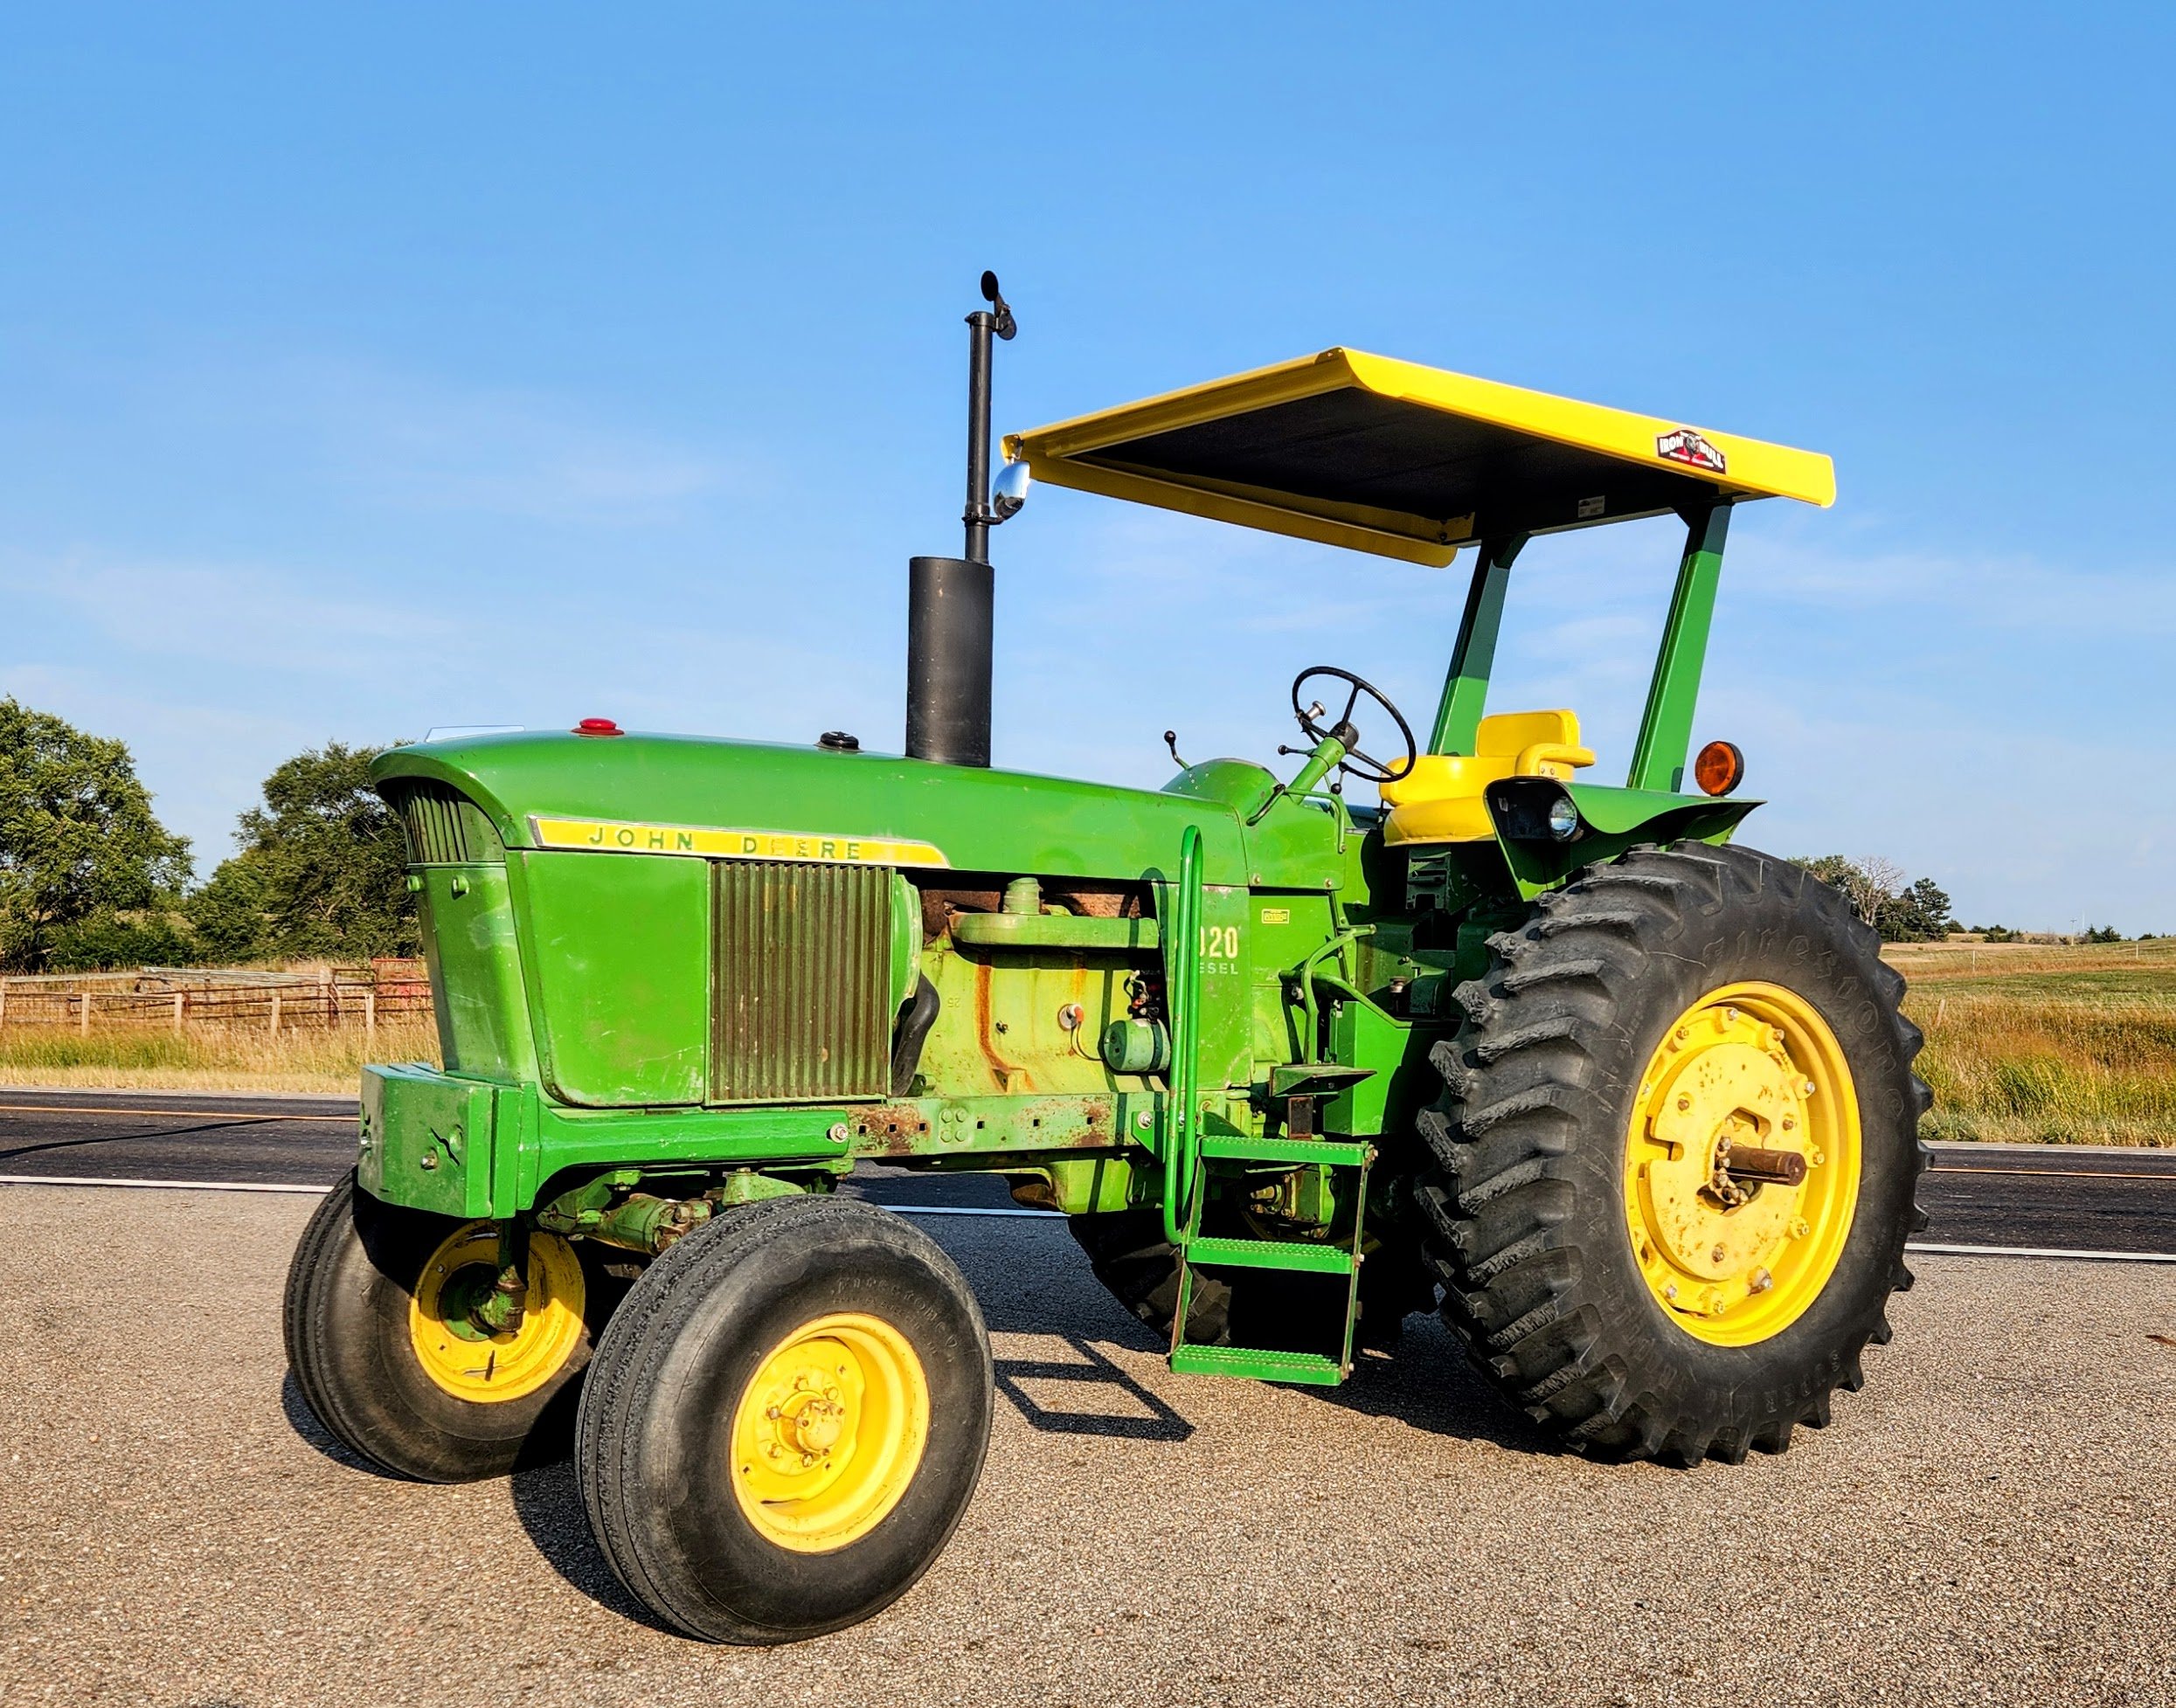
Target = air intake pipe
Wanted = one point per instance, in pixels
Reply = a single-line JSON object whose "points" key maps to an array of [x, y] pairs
{"points": [[950, 599]]}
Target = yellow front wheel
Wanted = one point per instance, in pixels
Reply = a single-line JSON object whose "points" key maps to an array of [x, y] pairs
{"points": [[1675, 1156], [391, 1350], [467, 1357], [786, 1421], [829, 1432]]}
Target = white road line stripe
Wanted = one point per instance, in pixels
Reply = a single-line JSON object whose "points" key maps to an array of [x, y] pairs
{"points": [[1926, 1247], [2040, 1251], [163, 1185]]}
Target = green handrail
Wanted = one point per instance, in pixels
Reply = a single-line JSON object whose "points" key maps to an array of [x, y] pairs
{"points": [[1183, 995]]}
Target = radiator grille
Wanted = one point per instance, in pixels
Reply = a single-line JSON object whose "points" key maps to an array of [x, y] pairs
{"points": [[444, 828], [801, 982]]}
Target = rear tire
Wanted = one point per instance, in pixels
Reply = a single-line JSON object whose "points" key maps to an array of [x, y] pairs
{"points": [[370, 1367], [1557, 1279], [737, 1491]]}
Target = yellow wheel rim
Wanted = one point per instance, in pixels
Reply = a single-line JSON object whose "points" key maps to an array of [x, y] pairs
{"points": [[491, 1368], [829, 1433], [1749, 1068]]}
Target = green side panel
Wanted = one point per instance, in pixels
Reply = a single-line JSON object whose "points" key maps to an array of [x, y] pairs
{"points": [[802, 1006], [1666, 728], [427, 1141], [475, 957], [1363, 1035], [1306, 1368], [617, 945]]}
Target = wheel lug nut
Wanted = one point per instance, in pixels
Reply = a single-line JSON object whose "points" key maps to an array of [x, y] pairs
{"points": [[1684, 1103], [1763, 1281], [1801, 1228], [1715, 1256]]}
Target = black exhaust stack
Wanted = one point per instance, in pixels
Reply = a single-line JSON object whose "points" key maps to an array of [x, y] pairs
{"points": [[950, 599]]}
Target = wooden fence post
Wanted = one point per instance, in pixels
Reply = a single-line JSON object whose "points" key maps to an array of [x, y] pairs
{"points": [[369, 1017], [3, 1002], [86, 1028], [275, 1011], [181, 1010]]}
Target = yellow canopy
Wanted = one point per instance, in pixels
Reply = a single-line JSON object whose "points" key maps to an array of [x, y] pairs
{"points": [[1389, 457]]}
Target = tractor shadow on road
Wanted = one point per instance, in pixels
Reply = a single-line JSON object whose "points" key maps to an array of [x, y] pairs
{"points": [[314, 1434], [1428, 1383], [549, 1507]]}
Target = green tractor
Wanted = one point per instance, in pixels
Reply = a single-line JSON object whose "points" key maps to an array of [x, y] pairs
{"points": [[1632, 1106]]}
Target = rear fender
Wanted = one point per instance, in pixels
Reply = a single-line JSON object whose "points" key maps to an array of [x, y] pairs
{"points": [[1611, 820]]}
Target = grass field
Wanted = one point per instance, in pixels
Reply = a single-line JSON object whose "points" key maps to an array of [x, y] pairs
{"points": [[208, 1058], [2062, 1044], [2055, 1044]]}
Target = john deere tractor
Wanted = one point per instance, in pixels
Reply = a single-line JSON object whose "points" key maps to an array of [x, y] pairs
{"points": [[1631, 1104]]}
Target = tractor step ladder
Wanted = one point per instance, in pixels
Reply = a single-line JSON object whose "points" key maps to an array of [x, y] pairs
{"points": [[1197, 1250], [1189, 1158]]}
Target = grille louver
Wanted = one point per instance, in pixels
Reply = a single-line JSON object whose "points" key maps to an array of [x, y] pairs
{"points": [[444, 826], [801, 982]]}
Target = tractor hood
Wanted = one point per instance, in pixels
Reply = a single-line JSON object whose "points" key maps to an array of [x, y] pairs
{"points": [[1389, 457], [726, 800]]}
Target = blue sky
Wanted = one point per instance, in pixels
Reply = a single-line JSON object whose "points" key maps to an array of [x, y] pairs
{"points": [[366, 372]]}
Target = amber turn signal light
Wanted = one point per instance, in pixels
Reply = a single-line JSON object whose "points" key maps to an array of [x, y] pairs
{"points": [[1720, 768]]}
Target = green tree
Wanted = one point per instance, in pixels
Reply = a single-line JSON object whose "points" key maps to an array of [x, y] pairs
{"points": [[322, 869], [80, 846], [1918, 912]]}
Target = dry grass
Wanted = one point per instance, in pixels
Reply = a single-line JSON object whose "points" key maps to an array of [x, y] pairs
{"points": [[2051, 1044], [2056, 1044], [208, 1058]]}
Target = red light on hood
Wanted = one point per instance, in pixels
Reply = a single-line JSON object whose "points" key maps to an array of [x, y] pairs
{"points": [[598, 726]]}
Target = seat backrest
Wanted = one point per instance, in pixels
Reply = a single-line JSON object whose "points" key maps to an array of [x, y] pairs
{"points": [[1439, 800]]}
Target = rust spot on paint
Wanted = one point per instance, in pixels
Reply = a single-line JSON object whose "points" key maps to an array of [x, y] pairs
{"points": [[897, 1129], [985, 1034]]}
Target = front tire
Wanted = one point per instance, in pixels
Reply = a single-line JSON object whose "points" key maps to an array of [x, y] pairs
{"points": [[387, 1362], [786, 1421], [1666, 1021]]}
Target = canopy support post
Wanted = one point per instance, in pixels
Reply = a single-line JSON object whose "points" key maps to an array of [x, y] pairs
{"points": [[1465, 686], [1666, 728]]}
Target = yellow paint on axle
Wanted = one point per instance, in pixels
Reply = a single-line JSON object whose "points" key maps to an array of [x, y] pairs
{"points": [[1751, 1064], [701, 842]]}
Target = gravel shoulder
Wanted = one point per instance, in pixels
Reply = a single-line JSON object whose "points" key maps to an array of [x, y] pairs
{"points": [[1994, 1519]]}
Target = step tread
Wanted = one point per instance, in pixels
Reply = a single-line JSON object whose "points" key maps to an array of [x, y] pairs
{"points": [[1270, 1254], [1337, 1153], [1310, 1368]]}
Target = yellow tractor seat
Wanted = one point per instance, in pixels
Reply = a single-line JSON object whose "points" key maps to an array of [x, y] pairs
{"points": [[1439, 800]]}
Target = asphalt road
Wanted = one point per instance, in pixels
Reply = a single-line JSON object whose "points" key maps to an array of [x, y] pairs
{"points": [[2065, 1198], [1992, 1520]]}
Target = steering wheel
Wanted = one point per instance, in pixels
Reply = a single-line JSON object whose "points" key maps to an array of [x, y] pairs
{"points": [[1363, 765]]}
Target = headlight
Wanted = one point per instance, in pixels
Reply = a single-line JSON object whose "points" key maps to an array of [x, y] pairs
{"points": [[1563, 818]]}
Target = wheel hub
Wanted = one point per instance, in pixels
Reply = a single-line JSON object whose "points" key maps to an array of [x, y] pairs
{"points": [[458, 1351], [828, 1433], [1741, 1163]]}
